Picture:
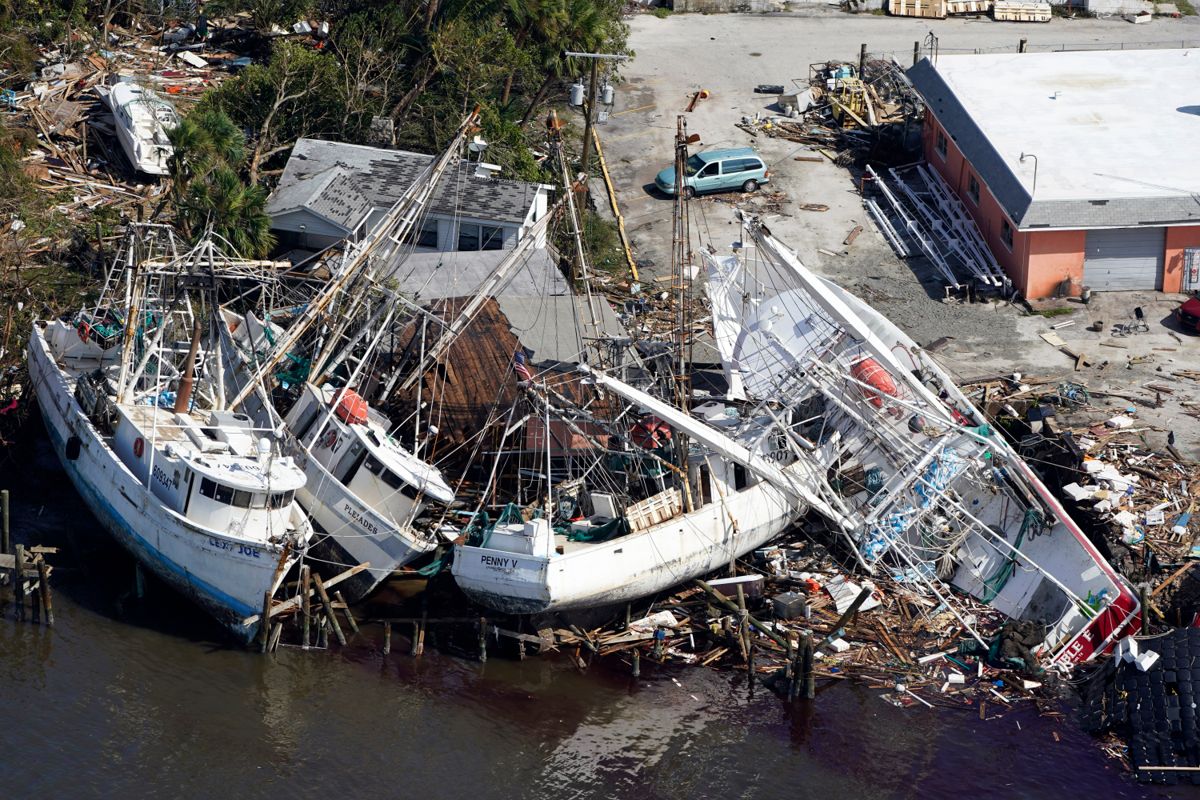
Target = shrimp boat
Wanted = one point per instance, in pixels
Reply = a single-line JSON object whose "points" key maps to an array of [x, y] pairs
{"points": [[195, 492], [143, 122], [923, 486]]}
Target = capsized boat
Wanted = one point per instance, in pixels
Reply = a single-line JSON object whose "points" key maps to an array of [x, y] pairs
{"points": [[926, 489], [143, 122], [199, 496]]}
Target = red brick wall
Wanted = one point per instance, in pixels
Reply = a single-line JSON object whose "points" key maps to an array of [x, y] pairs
{"points": [[1178, 239]]}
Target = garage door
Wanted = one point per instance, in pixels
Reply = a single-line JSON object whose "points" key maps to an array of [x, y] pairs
{"points": [[1125, 258]]}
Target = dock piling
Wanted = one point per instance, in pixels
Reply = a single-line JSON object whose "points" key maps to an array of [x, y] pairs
{"points": [[44, 590], [19, 582], [387, 638], [350, 620], [330, 618], [5, 541], [305, 609], [264, 625]]}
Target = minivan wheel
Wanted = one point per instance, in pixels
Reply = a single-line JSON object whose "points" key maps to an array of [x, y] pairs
{"points": [[689, 192], [750, 186]]}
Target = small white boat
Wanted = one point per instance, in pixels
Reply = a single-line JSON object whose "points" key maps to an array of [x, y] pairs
{"points": [[143, 120], [923, 485]]}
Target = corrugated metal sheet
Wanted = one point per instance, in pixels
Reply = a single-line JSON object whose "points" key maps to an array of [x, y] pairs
{"points": [[1124, 258]]}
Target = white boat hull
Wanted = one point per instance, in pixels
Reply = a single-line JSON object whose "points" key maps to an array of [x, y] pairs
{"points": [[629, 567], [223, 575]]}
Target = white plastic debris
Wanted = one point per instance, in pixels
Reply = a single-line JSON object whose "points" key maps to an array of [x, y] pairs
{"points": [[955, 678], [1120, 422], [659, 619], [1127, 649], [1093, 465], [1077, 492], [1146, 660], [839, 645], [844, 592]]}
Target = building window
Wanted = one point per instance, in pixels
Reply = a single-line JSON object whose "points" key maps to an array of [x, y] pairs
{"points": [[468, 236], [1006, 233], [941, 144], [973, 189], [428, 236], [492, 237]]}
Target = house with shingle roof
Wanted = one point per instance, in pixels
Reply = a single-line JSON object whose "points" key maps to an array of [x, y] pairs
{"points": [[330, 190], [1079, 168]]}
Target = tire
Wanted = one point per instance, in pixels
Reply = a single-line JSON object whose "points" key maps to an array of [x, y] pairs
{"points": [[750, 186], [689, 192]]}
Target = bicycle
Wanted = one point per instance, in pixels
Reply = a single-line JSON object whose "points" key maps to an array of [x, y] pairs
{"points": [[1138, 325]]}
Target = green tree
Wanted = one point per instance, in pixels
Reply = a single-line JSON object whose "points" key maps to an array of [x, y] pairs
{"points": [[208, 151], [231, 209]]}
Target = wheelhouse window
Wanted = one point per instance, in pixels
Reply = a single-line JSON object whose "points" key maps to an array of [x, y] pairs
{"points": [[376, 468], [941, 144], [215, 491], [1006, 234], [280, 500], [973, 189]]}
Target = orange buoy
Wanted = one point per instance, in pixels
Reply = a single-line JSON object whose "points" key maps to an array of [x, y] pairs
{"points": [[139, 447], [869, 372], [352, 409]]}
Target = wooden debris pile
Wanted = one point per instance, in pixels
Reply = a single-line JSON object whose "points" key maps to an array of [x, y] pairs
{"points": [[793, 619], [845, 111]]}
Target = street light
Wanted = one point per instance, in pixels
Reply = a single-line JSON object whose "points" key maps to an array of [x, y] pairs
{"points": [[1035, 166]]}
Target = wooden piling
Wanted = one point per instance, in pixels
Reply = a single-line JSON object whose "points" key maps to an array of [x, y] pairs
{"points": [[1023, 46], [637, 663], [750, 672], [264, 624], [305, 609], [350, 620], [47, 599], [916, 53], [276, 635], [330, 617], [483, 640], [5, 541], [387, 638], [862, 60], [806, 666], [19, 582]]}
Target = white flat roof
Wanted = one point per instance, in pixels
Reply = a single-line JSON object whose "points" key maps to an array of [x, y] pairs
{"points": [[1103, 124]]}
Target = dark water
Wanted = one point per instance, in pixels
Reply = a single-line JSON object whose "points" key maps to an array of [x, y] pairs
{"points": [[142, 698]]}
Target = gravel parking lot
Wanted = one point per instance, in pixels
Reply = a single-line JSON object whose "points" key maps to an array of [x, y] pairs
{"points": [[729, 54]]}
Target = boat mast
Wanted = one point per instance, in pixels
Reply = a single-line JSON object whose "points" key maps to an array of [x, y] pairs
{"points": [[680, 259]]}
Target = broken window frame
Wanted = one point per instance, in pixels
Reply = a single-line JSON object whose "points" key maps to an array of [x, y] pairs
{"points": [[1006, 234], [973, 188], [941, 146]]}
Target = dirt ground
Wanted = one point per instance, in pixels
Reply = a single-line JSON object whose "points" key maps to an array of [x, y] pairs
{"points": [[729, 54]]}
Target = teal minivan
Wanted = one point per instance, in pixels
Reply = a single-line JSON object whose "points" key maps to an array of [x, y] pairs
{"points": [[717, 170]]}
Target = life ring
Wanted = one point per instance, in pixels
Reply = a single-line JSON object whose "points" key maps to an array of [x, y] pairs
{"points": [[329, 440], [85, 330], [139, 447]]}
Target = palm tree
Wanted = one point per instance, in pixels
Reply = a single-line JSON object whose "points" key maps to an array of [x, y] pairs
{"points": [[229, 208]]}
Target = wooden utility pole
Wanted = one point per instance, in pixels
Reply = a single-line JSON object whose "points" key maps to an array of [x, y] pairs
{"points": [[590, 109]]}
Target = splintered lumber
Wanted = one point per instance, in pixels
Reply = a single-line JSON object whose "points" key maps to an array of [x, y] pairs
{"points": [[292, 603]]}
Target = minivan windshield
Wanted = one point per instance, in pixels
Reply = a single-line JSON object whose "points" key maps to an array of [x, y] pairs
{"points": [[693, 165]]}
